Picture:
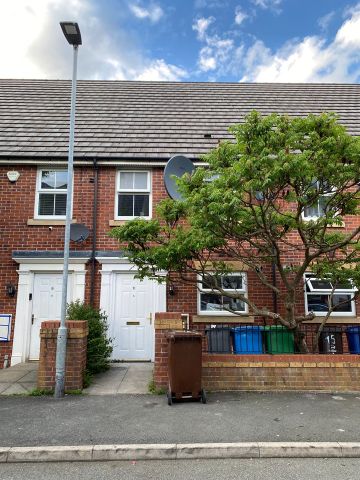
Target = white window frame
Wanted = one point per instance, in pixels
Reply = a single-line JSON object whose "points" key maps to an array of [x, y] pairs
{"points": [[222, 313], [40, 190], [348, 291], [118, 191], [315, 217]]}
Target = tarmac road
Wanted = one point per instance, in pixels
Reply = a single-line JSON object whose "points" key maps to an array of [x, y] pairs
{"points": [[258, 469]]}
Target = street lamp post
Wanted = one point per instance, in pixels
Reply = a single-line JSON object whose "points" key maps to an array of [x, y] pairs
{"points": [[73, 36]]}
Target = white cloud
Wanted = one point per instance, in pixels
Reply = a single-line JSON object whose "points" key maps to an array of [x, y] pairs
{"points": [[240, 16], [325, 21], [159, 70], [153, 12], [310, 60], [265, 4], [108, 51], [201, 25], [349, 33], [207, 61], [215, 52], [210, 4]]}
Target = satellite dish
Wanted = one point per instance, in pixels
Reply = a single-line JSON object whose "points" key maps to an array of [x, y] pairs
{"points": [[177, 166], [78, 232]]}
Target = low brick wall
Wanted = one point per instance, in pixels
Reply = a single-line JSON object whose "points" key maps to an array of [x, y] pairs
{"points": [[333, 373], [340, 373], [75, 354]]}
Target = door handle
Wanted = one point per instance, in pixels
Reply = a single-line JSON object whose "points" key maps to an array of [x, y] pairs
{"points": [[32, 319]]}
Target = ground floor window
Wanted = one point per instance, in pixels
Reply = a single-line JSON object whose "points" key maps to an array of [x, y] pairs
{"points": [[211, 303], [320, 296]]}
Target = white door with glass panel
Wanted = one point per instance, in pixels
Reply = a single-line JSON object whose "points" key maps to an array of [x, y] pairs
{"points": [[46, 306], [132, 324]]}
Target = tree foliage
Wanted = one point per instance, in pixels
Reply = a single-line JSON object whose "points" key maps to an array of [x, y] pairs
{"points": [[248, 206]]}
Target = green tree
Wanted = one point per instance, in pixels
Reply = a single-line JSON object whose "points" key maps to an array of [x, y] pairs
{"points": [[249, 205]]}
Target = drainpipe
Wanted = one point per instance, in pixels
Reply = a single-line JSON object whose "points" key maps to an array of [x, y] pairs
{"points": [[275, 299], [94, 226]]}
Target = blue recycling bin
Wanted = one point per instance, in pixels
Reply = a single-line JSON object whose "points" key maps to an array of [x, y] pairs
{"points": [[353, 338], [247, 339]]}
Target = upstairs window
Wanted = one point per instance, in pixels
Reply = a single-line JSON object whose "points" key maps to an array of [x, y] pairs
{"points": [[51, 193], [318, 209], [319, 297], [213, 304], [133, 196]]}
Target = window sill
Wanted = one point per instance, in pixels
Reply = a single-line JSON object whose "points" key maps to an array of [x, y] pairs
{"points": [[223, 318], [314, 219], [117, 223], [47, 222], [332, 320]]}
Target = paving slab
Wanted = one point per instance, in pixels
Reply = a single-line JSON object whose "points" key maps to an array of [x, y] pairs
{"points": [[15, 389], [122, 378], [19, 379]]}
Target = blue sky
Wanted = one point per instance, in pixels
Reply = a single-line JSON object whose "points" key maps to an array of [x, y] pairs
{"points": [[199, 40]]}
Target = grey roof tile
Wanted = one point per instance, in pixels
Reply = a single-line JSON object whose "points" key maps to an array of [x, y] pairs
{"points": [[139, 120]]}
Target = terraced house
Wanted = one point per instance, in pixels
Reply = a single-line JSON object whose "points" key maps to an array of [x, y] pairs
{"points": [[125, 134]]}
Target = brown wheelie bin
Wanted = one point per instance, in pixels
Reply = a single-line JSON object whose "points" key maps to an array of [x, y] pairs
{"points": [[184, 367]]}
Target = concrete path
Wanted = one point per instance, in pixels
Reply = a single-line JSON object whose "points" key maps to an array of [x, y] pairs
{"points": [[19, 379], [131, 378]]}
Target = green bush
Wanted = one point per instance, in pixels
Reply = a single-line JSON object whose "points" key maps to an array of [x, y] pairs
{"points": [[99, 345]]}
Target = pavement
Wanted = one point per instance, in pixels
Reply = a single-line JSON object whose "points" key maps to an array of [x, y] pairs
{"points": [[19, 379], [118, 420], [147, 419], [121, 378]]}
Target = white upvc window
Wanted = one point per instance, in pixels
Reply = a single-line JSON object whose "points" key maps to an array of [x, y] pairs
{"points": [[133, 194], [320, 295], [51, 193], [318, 209], [210, 303]]}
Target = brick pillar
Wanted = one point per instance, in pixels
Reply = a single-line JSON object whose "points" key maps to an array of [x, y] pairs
{"points": [[165, 322], [75, 354]]}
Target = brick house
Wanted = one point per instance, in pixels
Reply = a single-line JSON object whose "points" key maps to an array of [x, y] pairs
{"points": [[125, 134]]}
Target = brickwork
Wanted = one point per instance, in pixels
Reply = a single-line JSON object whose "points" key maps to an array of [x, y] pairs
{"points": [[17, 207], [334, 373], [260, 372], [164, 323], [75, 355]]}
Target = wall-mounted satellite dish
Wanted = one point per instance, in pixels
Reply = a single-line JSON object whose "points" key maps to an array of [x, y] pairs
{"points": [[78, 232], [177, 166]]}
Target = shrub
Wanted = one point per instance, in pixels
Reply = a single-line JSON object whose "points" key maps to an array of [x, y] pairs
{"points": [[99, 345]]}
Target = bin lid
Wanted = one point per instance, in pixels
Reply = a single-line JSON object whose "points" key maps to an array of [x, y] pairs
{"points": [[275, 327], [354, 329], [247, 328], [183, 334]]}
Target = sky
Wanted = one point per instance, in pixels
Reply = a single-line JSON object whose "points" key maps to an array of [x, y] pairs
{"points": [[183, 40]]}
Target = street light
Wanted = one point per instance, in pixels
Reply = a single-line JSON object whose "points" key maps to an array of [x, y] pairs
{"points": [[73, 36]]}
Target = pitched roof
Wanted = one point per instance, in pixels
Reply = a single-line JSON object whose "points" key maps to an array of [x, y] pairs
{"points": [[150, 120]]}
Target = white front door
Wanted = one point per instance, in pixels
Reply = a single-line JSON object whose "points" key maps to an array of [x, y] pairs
{"points": [[131, 325], [46, 306]]}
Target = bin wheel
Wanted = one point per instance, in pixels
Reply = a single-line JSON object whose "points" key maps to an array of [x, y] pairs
{"points": [[169, 398], [203, 396]]}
